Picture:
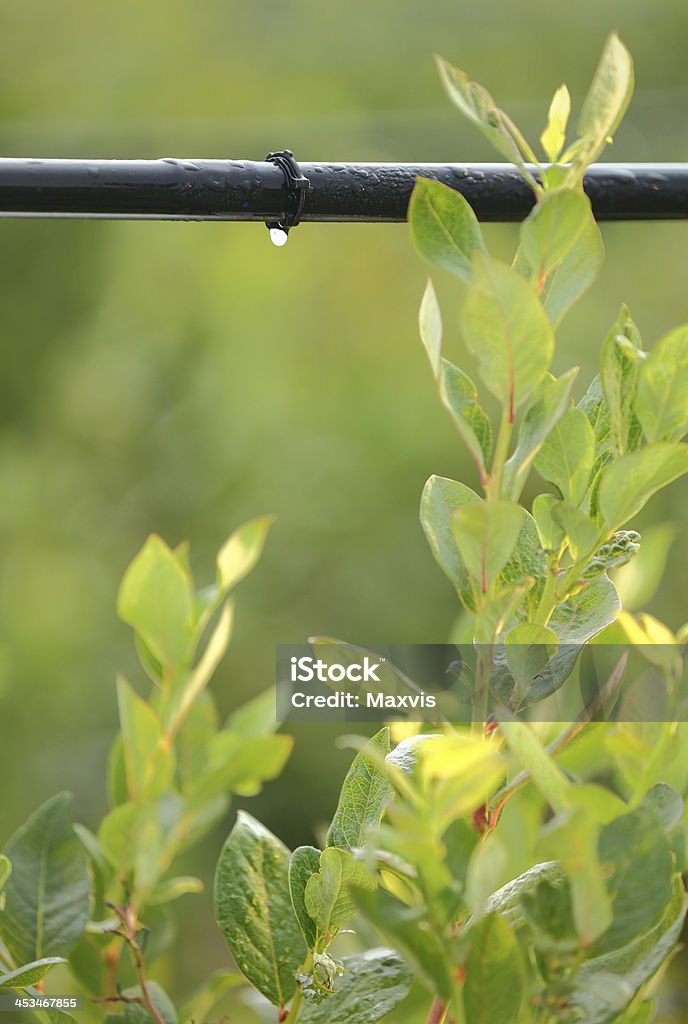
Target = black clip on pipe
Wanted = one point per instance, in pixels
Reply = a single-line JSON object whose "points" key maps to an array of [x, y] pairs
{"points": [[296, 187]]}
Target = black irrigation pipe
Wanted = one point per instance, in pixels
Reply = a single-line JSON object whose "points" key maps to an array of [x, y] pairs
{"points": [[246, 190]]}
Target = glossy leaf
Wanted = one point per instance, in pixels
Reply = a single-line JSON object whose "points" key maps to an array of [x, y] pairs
{"points": [[47, 896], [373, 984], [661, 402], [631, 481], [365, 793], [29, 974], [506, 328], [587, 613], [444, 227], [254, 912]]}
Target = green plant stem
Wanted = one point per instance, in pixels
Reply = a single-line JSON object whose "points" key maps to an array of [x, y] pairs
{"points": [[482, 688], [438, 1012], [297, 1001], [501, 452], [546, 775]]}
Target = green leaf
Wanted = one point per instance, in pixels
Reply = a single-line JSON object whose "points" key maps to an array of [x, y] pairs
{"points": [[156, 599], [572, 838], [124, 831], [486, 535], [566, 457], [529, 649], [240, 554], [304, 863], [328, 901], [495, 975], [606, 985], [527, 563], [606, 102], [554, 136], [497, 612], [551, 232], [5, 870], [239, 764], [256, 717], [661, 402], [587, 613], [548, 404], [138, 1012], [254, 912], [440, 500], [29, 974], [148, 760], [477, 105], [631, 481], [622, 355], [635, 855], [47, 896], [172, 888], [100, 869], [582, 533], [574, 275], [549, 912], [188, 693], [198, 1008], [506, 328], [459, 395], [430, 326], [486, 869], [444, 227], [373, 984], [412, 934], [551, 533], [365, 793]]}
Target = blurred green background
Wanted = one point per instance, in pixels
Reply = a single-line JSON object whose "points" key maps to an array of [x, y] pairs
{"points": [[183, 377]]}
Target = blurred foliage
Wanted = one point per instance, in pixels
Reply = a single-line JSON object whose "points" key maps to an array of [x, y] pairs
{"points": [[183, 377]]}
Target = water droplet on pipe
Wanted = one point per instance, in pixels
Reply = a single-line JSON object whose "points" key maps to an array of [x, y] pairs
{"points": [[278, 237]]}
